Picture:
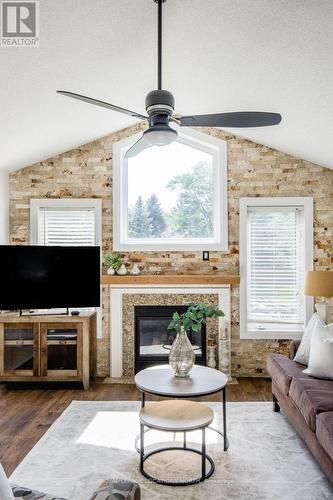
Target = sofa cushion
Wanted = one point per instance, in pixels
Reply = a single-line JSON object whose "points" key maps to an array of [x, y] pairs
{"points": [[321, 353], [311, 396], [303, 352], [282, 370], [324, 432], [293, 347]]}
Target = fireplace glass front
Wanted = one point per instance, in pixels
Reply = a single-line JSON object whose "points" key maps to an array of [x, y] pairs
{"points": [[153, 340]]}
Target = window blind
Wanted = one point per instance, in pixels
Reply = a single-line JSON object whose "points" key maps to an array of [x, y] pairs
{"points": [[275, 270], [66, 226]]}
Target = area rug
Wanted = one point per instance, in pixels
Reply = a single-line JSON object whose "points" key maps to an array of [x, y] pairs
{"points": [[92, 441]]}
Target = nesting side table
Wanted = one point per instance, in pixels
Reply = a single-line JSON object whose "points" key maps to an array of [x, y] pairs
{"points": [[160, 381]]}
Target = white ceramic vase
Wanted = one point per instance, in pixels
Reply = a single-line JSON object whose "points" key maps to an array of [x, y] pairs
{"points": [[135, 270], [110, 271], [122, 270]]}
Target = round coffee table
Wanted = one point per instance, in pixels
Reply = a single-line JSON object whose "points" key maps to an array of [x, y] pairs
{"points": [[160, 381]]}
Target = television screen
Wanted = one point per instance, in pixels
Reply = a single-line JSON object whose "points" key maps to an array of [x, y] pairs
{"points": [[38, 277]]}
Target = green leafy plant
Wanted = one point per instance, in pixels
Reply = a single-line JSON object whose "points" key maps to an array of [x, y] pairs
{"points": [[110, 260], [193, 319]]}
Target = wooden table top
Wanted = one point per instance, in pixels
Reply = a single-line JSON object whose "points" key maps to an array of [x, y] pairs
{"points": [[176, 415], [160, 380]]}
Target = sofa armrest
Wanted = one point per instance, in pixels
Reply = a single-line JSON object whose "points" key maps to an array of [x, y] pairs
{"points": [[294, 345]]}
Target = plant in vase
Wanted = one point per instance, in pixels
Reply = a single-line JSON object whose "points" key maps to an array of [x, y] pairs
{"points": [[112, 263], [182, 357]]}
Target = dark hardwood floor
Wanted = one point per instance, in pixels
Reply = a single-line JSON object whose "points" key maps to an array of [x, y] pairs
{"points": [[27, 411]]}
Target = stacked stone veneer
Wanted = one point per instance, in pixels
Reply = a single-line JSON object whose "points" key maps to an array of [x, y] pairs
{"points": [[253, 170], [160, 299]]}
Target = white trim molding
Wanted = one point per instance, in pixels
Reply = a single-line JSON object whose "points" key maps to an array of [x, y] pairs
{"points": [[306, 203], [116, 319], [203, 142], [63, 203]]}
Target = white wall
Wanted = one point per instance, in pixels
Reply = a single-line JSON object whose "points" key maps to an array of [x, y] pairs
{"points": [[4, 208]]}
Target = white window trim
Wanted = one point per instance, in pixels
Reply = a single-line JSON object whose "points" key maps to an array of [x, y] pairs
{"points": [[216, 147], [37, 204], [244, 204], [95, 204]]}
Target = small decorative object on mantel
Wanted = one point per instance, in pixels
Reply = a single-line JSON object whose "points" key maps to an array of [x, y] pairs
{"points": [[112, 263], [224, 355], [134, 270], [122, 270], [182, 357], [211, 347], [224, 333]]}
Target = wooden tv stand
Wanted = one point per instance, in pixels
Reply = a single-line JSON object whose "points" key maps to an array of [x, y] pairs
{"points": [[48, 348]]}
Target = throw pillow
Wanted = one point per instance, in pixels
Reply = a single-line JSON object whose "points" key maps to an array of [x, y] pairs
{"points": [[321, 353], [303, 352], [5, 489]]}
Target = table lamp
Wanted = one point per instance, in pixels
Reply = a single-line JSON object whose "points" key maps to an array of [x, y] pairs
{"points": [[320, 284]]}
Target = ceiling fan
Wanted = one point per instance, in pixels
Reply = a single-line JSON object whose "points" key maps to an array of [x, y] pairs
{"points": [[160, 109]]}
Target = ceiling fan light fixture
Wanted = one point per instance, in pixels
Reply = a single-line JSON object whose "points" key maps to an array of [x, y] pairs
{"points": [[160, 135], [160, 106]]}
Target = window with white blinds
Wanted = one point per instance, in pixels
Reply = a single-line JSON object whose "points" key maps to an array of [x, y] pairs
{"points": [[65, 222], [274, 268], [66, 227]]}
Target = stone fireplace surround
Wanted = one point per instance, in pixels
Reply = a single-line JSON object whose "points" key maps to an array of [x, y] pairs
{"points": [[123, 299]]}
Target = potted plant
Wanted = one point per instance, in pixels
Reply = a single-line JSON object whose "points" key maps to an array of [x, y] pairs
{"points": [[112, 263], [182, 357]]}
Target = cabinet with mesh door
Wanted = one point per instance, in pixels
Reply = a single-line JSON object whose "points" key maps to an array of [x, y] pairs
{"points": [[48, 348]]}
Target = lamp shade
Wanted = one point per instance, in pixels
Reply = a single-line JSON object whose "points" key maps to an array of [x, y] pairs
{"points": [[319, 283]]}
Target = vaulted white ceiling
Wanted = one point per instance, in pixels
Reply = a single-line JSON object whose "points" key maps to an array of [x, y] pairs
{"points": [[219, 55]]}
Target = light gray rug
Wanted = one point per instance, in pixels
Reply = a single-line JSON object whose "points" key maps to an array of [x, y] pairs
{"points": [[92, 441]]}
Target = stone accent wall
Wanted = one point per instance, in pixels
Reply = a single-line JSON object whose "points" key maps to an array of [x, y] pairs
{"points": [[253, 170], [131, 300]]}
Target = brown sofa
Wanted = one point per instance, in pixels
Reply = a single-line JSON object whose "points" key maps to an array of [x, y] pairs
{"points": [[308, 404]]}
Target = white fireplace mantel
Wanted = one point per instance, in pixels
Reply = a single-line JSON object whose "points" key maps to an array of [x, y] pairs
{"points": [[116, 321]]}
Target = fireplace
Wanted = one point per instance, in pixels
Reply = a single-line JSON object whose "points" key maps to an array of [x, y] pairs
{"points": [[153, 340]]}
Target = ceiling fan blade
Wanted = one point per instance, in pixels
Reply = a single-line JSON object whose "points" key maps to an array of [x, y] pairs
{"points": [[103, 104], [239, 119], [138, 147]]}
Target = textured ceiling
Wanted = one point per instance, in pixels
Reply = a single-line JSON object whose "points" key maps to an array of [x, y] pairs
{"points": [[219, 55]]}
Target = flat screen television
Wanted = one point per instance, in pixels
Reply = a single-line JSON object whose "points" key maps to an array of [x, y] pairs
{"points": [[38, 277]]}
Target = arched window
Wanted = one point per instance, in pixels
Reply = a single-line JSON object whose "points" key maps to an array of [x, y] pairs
{"points": [[172, 197]]}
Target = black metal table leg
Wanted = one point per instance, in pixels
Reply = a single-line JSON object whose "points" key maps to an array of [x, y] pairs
{"points": [[184, 440], [204, 475], [143, 399], [224, 405], [142, 446], [203, 455]]}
